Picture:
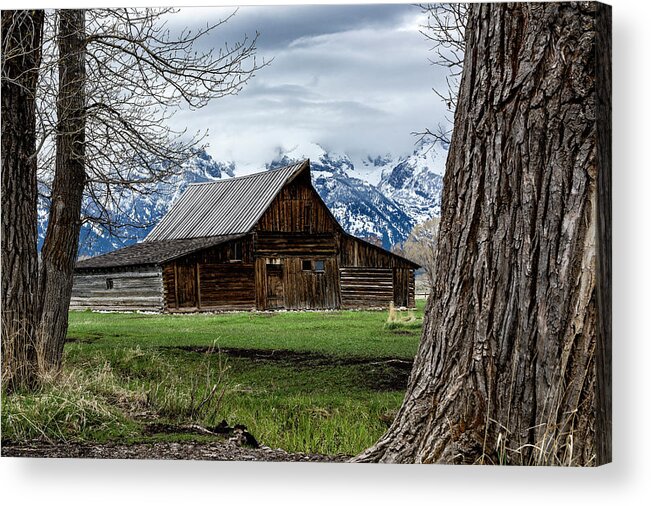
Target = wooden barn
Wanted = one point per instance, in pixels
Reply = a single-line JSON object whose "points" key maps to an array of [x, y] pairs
{"points": [[264, 241]]}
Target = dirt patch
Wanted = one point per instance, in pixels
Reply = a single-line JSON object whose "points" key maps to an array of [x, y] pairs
{"points": [[90, 339], [378, 374], [309, 358], [217, 450], [386, 376], [238, 433]]}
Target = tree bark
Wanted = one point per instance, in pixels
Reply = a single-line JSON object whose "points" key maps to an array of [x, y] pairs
{"points": [[59, 251], [21, 55], [517, 325]]}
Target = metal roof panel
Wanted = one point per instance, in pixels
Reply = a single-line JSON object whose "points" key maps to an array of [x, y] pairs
{"points": [[230, 206], [152, 252]]}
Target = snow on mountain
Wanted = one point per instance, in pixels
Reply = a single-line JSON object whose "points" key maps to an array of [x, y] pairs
{"points": [[362, 210], [370, 168], [372, 197], [407, 190], [416, 182]]}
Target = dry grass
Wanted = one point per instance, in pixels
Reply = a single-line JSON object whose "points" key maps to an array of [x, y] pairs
{"points": [[193, 399], [552, 449], [396, 318], [74, 404], [19, 367], [555, 445]]}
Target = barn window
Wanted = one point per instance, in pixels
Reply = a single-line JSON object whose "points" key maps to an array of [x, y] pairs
{"points": [[307, 265], [236, 252], [109, 283], [319, 265]]}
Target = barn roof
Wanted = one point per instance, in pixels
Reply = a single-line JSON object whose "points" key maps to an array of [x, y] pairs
{"points": [[230, 206], [152, 252]]}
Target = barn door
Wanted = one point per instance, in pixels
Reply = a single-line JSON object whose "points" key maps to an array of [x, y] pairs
{"points": [[186, 285], [275, 287]]}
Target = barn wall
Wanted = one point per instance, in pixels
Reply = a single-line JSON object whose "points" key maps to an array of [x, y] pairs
{"points": [[411, 295], [137, 288], [366, 287], [227, 285], [372, 277], [358, 253], [298, 209], [404, 287], [275, 244], [308, 289], [297, 227], [211, 280], [301, 288]]}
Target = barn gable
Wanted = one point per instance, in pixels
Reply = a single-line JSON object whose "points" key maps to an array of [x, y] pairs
{"points": [[264, 241]]}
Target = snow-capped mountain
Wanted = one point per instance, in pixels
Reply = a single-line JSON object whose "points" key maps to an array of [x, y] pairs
{"points": [[373, 197], [415, 182], [377, 195]]}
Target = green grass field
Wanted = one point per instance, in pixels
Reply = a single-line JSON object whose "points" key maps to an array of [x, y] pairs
{"points": [[317, 382]]}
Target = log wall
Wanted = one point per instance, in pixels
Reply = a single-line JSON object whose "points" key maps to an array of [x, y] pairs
{"points": [[366, 287], [358, 253], [138, 288], [372, 277], [404, 287], [227, 286], [212, 279], [411, 291], [274, 244]]}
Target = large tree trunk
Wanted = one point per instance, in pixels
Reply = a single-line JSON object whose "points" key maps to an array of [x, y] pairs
{"points": [[517, 324], [59, 251], [21, 55]]}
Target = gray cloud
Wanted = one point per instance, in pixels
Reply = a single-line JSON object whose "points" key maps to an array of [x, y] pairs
{"points": [[280, 25], [352, 78]]}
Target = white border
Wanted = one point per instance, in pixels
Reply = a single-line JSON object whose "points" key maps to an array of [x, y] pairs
{"points": [[70, 482]]}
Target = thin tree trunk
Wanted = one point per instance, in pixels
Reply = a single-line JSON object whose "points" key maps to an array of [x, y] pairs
{"points": [[21, 55], [506, 369], [59, 251]]}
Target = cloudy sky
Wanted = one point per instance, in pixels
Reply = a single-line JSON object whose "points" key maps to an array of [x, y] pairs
{"points": [[353, 78]]}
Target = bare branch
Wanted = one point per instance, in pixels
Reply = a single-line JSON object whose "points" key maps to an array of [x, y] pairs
{"points": [[138, 75], [445, 28]]}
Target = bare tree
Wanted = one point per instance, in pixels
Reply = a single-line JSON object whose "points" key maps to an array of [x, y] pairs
{"points": [[513, 363], [445, 28], [420, 246], [139, 74], [21, 54], [121, 75]]}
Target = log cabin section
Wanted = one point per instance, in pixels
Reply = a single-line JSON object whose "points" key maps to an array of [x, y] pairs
{"points": [[261, 242]]}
